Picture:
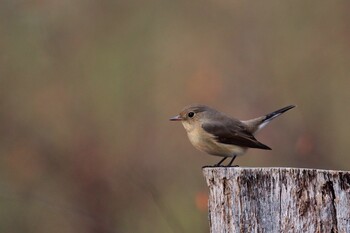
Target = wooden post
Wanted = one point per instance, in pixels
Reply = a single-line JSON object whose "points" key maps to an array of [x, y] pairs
{"points": [[278, 200]]}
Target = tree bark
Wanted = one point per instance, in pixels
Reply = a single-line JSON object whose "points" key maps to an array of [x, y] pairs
{"points": [[278, 200]]}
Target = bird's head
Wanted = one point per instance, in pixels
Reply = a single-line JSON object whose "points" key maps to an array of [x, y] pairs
{"points": [[192, 115]]}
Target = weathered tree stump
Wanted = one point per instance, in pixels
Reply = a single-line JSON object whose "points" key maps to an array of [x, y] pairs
{"points": [[278, 200]]}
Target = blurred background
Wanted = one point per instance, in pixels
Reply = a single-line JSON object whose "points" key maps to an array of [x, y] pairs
{"points": [[87, 88]]}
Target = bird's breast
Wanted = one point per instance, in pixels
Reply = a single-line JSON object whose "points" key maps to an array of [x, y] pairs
{"points": [[206, 142]]}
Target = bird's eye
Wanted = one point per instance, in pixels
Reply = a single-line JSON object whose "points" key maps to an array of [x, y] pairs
{"points": [[190, 114]]}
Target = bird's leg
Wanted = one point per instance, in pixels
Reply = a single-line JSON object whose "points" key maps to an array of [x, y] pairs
{"points": [[230, 163], [219, 163]]}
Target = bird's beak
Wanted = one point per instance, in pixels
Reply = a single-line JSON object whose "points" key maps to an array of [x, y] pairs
{"points": [[176, 118]]}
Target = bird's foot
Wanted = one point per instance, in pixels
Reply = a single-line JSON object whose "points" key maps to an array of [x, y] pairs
{"points": [[215, 165], [219, 165]]}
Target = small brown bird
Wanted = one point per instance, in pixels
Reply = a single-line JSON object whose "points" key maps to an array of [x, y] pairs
{"points": [[217, 134]]}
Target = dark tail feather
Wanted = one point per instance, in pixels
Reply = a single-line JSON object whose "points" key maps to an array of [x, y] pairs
{"points": [[256, 124], [274, 114]]}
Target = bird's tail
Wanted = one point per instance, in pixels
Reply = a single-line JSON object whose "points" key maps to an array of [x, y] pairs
{"points": [[275, 114], [260, 122]]}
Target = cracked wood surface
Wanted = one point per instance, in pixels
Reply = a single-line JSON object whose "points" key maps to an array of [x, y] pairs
{"points": [[278, 200]]}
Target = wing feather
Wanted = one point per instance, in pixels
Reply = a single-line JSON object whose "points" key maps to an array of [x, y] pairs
{"points": [[233, 132]]}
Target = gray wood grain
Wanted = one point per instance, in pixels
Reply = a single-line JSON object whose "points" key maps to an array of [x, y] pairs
{"points": [[278, 200]]}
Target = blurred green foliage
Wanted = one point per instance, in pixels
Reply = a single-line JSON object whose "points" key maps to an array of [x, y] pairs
{"points": [[86, 88]]}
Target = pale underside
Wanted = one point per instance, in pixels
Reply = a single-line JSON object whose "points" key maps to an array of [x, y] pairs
{"points": [[206, 142]]}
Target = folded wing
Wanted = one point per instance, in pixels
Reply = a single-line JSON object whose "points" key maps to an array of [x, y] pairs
{"points": [[233, 132]]}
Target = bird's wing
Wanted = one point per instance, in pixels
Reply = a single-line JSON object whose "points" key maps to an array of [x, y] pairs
{"points": [[233, 132]]}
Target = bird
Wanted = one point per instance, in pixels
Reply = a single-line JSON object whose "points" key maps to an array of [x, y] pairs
{"points": [[218, 134]]}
